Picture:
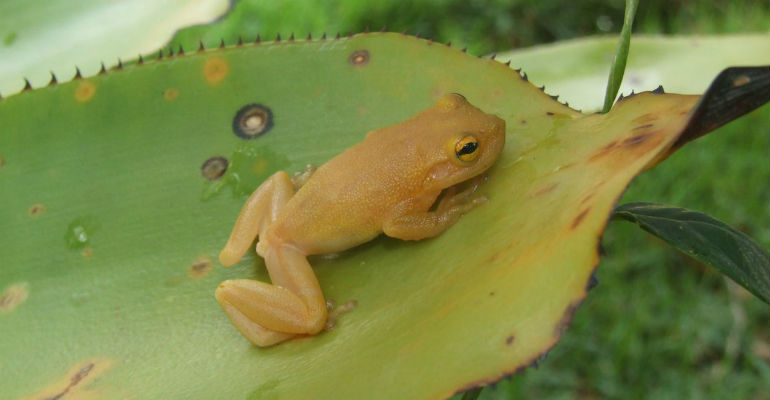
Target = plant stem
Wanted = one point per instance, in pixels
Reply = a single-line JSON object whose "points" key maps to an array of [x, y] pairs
{"points": [[619, 63]]}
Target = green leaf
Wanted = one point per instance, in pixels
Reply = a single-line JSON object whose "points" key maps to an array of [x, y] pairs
{"points": [[122, 162], [619, 62], [52, 37], [707, 240], [574, 69]]}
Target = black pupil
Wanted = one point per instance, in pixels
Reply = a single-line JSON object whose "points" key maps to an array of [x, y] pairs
{"points": [[468, 148]]}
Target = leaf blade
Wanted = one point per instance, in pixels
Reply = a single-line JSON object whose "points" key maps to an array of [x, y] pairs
{"points": [[706, 239]]}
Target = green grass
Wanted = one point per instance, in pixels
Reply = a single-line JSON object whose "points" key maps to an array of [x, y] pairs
{"points": [[659, 325]]}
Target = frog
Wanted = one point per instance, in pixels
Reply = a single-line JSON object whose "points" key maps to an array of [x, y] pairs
{"points": [[410, 181]]}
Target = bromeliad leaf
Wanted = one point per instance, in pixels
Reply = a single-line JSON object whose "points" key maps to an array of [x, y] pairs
{"points": [[707, 240], [134, 150]]}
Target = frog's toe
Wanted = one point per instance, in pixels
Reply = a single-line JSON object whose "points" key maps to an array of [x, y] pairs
{"points": [[253, 331]]}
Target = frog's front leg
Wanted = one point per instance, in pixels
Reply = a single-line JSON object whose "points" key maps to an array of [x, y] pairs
{"points": [[411, 224], [260, 210]]}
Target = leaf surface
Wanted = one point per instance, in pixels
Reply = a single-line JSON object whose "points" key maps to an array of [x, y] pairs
{"points": [[111, 232], [707, 240]]}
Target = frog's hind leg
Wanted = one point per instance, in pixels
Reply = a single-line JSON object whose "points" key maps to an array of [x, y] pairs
{"points": [[260, 209], [293, 304]]}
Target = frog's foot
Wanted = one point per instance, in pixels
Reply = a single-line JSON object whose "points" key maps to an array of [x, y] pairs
{"points": [[300, 178], [256, 333], [267, 314]]}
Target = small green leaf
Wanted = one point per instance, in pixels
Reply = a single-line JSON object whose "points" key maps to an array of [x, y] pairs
{"points": [[619, 63], [707, 240]]}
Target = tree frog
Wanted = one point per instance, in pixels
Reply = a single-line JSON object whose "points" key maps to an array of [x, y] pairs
{"points": [[388, 183]]}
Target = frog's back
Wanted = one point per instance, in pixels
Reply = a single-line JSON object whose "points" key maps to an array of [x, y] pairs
{"points": [[347, 199]]}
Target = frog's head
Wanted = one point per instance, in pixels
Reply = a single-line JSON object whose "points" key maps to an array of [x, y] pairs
{"points": [[466, 140]]}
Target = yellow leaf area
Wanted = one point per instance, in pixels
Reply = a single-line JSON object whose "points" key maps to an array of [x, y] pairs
{"points": [[432, 317], [498, 290]]}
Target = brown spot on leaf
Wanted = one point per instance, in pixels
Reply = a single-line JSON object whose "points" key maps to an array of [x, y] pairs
{"points": [[509, 340], [588, 197], [566, 318], [73, 384], [13, 296], [87, 252], [2, 161], [171, 94], [545, 189], [549, 113], [636, 140], [645, 126], [579, 218], [646, 118], [523, 121], [35, 210], [200, 268], [215, 70], [85, 91]]}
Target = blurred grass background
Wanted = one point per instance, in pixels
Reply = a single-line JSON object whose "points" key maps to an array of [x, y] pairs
{"points": [[660, 325]]}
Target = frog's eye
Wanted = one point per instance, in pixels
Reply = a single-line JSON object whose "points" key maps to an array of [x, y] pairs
{"points": [[465, 148]]}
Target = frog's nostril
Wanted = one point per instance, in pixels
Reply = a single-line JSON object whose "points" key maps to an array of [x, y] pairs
{"points": [[252, 121]]}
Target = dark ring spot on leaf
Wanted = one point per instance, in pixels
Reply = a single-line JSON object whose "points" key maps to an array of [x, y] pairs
{"points": [[359, 57], [252, 121], [214, 168]]}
